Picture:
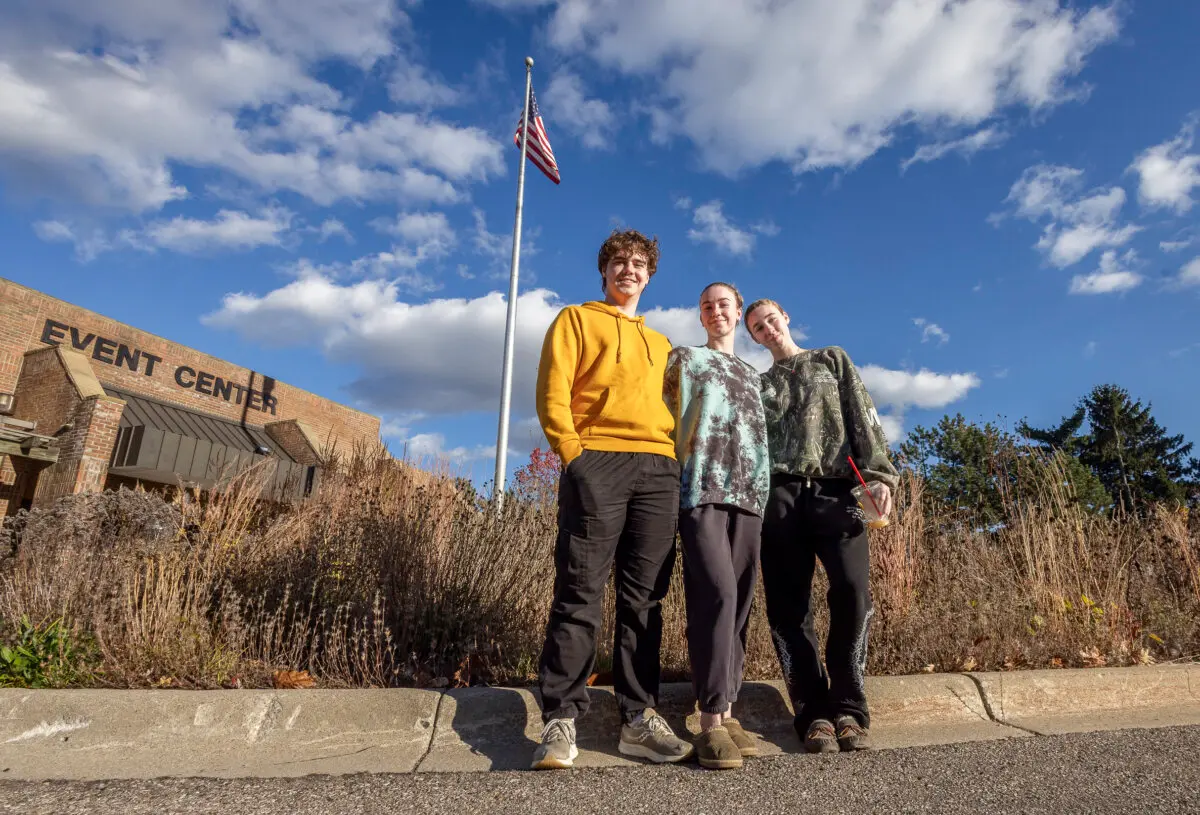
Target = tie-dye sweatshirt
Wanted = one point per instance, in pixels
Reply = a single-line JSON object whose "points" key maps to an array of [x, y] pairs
{"points": [[720, 430]]}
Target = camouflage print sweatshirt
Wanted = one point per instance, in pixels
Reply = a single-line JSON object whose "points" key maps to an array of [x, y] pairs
{"points": [[818, 412], [720, 433]]}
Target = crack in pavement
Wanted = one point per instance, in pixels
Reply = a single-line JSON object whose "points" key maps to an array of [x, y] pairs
{"points": [[987, 707], [432, 733]]}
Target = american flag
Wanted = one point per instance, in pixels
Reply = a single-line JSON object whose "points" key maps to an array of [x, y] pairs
{"points": [[538, 150]]}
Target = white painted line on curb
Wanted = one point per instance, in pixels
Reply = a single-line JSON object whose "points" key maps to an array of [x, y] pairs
{"points": [[47, 729]]}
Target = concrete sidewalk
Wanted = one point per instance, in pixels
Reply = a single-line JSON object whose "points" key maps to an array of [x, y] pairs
{"points": [[94, 734]]}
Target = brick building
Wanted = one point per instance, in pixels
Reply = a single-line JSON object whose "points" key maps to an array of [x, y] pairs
{"points": [[87, 403]]}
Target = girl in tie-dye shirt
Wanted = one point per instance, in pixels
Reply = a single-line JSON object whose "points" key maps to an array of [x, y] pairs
{"points": [[721, 445]]}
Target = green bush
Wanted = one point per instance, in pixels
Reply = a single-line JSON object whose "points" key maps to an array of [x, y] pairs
{"points": [[44, 656]]}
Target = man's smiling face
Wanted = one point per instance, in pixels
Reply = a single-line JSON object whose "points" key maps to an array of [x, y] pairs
{"points": [[626, 276]]}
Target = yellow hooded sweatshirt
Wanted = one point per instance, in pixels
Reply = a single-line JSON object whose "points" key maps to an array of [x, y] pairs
{"points": [[600, 383]]}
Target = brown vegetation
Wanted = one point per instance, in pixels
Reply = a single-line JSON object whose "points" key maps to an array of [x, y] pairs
{"points": [[392, 576]]}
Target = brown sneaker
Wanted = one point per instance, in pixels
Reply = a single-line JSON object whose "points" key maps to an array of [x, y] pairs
{"points": [[716, 750], [745, 744], [821, 737], [851, 735]]}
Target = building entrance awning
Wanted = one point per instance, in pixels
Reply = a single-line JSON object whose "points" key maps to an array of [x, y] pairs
{"points": [[17, 438], [168, 444]]}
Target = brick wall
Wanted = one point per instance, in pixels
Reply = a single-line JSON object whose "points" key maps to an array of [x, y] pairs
{"points": [[49, 397], [8, 484], [84, 451], [127, 358], [18, 315]]}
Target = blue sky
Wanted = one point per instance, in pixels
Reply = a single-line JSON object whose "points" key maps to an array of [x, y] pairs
{"points": [[991, 204]]}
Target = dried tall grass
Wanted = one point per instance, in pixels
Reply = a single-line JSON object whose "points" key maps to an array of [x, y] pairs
{"points": [[390, 575]]}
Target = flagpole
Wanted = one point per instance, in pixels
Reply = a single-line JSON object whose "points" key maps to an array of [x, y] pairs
{"points": [[509, 325]]}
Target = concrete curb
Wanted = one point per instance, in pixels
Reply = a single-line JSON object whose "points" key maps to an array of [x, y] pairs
{"points": [[92, 734], [1047, 702]]}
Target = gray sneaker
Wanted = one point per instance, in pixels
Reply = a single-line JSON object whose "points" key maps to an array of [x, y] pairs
{"points": [[652, 738], [557, 750]]}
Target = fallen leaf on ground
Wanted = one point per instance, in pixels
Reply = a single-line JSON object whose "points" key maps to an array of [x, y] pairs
{"points": [[293, 680]]}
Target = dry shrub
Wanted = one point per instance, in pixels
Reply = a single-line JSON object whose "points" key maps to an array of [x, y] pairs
{"points": [[390, 575]]}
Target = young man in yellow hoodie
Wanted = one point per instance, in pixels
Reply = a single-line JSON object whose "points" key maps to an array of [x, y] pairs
{"points": [[599, 399]]}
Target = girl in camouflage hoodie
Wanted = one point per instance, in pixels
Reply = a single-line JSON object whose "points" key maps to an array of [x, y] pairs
{"points": [[819, 415]]}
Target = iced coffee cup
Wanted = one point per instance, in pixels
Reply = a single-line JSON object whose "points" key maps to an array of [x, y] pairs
{"points": [[870, 515]]}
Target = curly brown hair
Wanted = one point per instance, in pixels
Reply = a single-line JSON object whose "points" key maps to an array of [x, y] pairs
{"points": [[628, 240]]}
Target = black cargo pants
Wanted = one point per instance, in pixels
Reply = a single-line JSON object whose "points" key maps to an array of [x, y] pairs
{"points": [[617, 508]]}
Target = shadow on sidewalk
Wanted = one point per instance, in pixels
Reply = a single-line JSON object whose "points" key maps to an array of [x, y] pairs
{"points": [[491, 723], [764, 709]]}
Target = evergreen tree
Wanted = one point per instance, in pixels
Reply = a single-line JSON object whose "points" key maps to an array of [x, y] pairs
{"points": [[962, 465], [1125, 447], [983, 469]]}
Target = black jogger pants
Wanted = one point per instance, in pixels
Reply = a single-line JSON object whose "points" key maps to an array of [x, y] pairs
{"points": [[808, 519], [720, 567]]}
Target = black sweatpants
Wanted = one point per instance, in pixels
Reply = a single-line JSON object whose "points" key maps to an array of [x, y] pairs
{"points": [[808, 519], [612, 507], [720, 566]]}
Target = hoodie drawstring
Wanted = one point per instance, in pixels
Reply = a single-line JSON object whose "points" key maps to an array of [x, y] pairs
{"points": [[642, 331]]}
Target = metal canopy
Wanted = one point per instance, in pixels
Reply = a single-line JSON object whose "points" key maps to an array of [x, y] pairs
{"points": [[169, 444]]}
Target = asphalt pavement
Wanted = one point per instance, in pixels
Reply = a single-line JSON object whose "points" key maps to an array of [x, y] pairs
{"points": [[1127, 771]]}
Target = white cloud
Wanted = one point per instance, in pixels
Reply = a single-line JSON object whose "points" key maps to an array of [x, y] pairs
{"points": [[923, 389], [1114, 275], [329, 228], [439, 357], [728, 74], [228, 230], [424, 236], [413, 84], [893, 426], [590, 120], [1189, 275], [1089, 350], [228, 87], [418, 227], [54, 231], [1168, 173], [87, 246], [1175, 246], [396, 266], [1078, 223], [497, 247], [426, 447], [713, 227], [931, 331], [897, 391], [988, 137]]}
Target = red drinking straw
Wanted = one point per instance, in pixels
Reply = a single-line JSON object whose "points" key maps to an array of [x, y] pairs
{"points": [[865, 487]]}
